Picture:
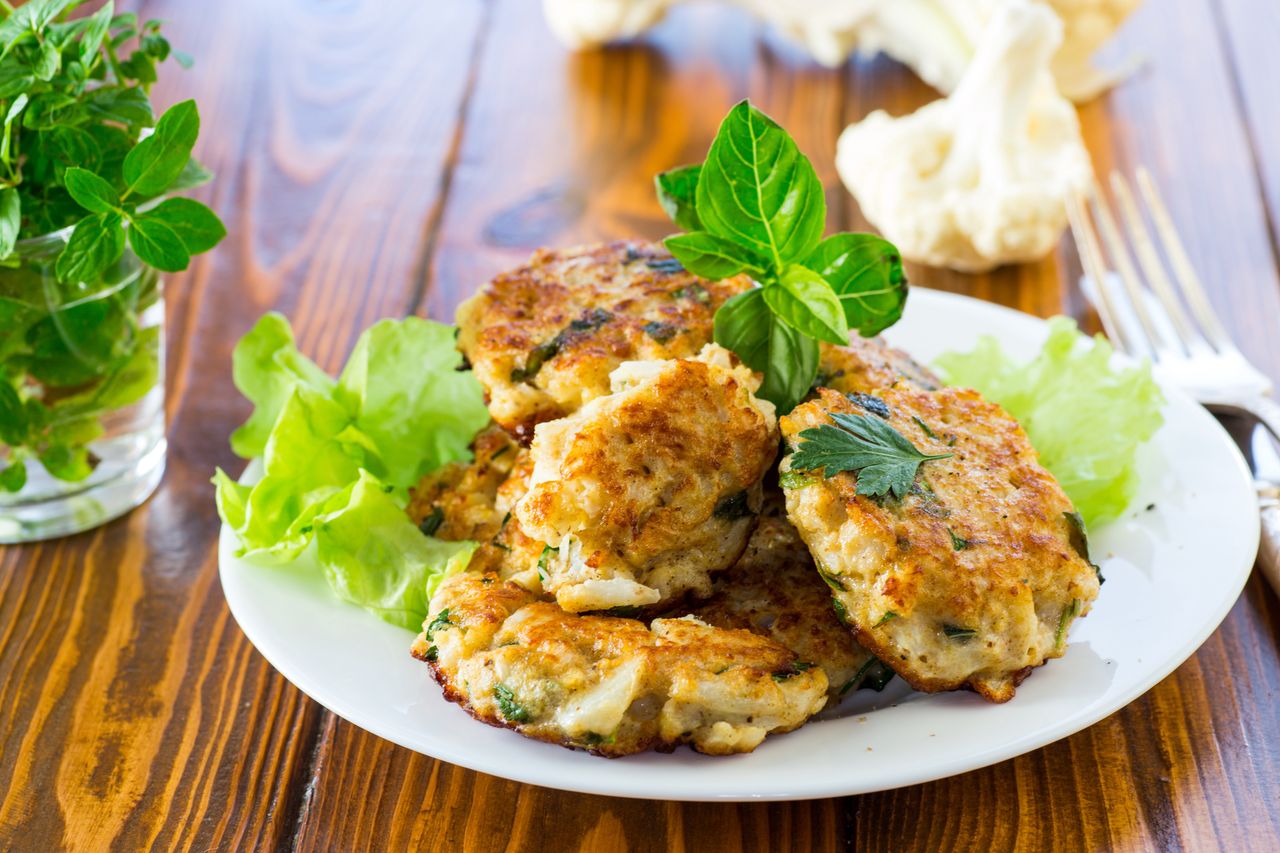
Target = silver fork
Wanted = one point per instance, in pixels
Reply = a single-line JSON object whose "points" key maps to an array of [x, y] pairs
{"points": [[1171, 321]]}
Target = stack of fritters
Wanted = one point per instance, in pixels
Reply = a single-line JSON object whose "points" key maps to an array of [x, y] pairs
{"points": [[639, 583]]}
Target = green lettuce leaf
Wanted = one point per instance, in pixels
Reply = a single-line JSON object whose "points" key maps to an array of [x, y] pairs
{"points": [[374, 556], [266, 366], [338, 458], [1084, 417]]}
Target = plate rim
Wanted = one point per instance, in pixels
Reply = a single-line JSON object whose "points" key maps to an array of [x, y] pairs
{"points": [[1026, 743]]}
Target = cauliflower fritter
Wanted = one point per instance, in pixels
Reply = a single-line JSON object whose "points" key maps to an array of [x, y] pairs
{"points": [[646, 492], [473, 500], [868, 364], [543, 338], [971, 579], [774, 591], [610, 685]]}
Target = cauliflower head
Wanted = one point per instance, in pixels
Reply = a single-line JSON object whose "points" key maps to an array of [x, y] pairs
{"points": [[980, 178]]}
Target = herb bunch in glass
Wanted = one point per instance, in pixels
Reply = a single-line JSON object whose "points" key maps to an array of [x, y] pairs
{"points": [[88, 220]]}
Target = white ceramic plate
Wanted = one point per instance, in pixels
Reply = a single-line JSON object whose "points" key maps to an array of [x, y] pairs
{"points": [[1172, 573]]}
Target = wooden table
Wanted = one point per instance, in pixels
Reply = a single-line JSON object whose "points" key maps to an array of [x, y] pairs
{"points": [[384, 157]]}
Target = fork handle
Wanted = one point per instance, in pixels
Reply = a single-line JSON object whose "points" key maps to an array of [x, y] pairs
{"points": [[1269, 550]]}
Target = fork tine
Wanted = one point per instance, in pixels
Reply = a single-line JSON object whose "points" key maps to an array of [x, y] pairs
{"points": [[1125, 269], [1149, 258], [1094, 267], [1183, 271]]}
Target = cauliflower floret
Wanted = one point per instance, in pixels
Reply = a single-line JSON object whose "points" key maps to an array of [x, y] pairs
{"points": [[1088, 24], [586, 23], [936, 38], [980, 178]]}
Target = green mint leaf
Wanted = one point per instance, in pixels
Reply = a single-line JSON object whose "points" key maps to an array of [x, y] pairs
{"points": [[198, 227], [127, 105], [15, 109], [194, 174], [677, 193], [14, 477], [155, 162], [49, 61], [865, 271], [10, 220], [139, 66], [158, 245], [67, 463], [884, 460], [156, 46], [183, 58], [758, 190], [90, 191], [712, 257], [15, 424], [96, 243], [788, 359], [14, 78], [95, 31], [804, 301]]}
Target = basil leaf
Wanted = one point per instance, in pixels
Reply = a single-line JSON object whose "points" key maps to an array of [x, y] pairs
{"points": [[793, 363], [865, 271], [804, 301], [712, 257], [10, 220], [96, 243], [90, 191], [742, 325], [158, 245], [788, 359], [49, 61], [677, 193], [197, 226], [155, 162], [757, 189]]}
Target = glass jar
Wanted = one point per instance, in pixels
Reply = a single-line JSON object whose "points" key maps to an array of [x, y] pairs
{"points": [[81, 392]]}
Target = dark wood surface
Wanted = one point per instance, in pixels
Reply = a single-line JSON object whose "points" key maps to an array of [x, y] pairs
{"points": [[383, 157]]}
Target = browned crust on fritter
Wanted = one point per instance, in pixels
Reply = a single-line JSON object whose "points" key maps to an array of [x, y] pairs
{"points": [[1011, 580], [495, 627], [867, 365], [775, 591], [656, 311], [474, 500]]}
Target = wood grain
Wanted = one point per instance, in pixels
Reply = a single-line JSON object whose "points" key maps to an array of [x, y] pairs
{"points": [[133, 713], [378, 158]]}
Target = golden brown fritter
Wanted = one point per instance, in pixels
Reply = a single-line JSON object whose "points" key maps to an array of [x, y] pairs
{"points": [[610, 685], [648, 491], [971, 579], [473, 501], [868, 364], [774, 591], [543, 338]]}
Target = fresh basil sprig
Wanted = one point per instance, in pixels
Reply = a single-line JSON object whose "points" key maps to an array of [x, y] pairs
{"points": [[756, 206]]}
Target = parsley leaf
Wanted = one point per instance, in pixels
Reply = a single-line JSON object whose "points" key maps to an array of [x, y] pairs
{"points": [[881, 457], [511, 710]]}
